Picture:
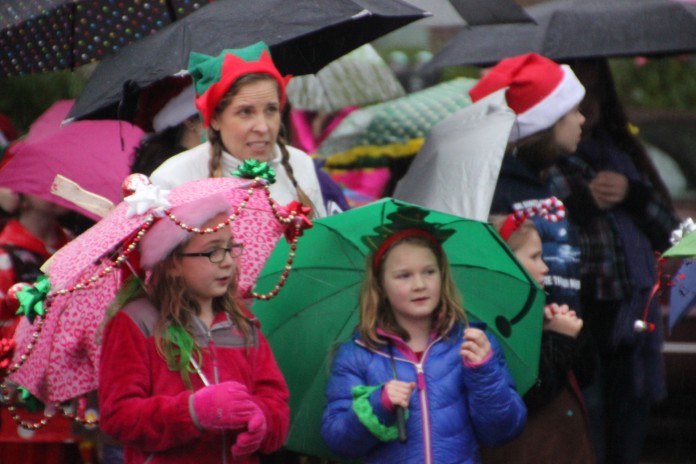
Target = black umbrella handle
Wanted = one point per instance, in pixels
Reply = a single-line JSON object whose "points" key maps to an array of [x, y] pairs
{"points": [[400, 411], [401, 423]]}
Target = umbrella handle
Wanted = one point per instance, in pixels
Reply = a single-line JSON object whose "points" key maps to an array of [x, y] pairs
{"points": [[401, 423], [400, 412]]}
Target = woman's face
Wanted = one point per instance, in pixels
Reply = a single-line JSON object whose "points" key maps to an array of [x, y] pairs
{"points": [[249, 125], [568, 130]]}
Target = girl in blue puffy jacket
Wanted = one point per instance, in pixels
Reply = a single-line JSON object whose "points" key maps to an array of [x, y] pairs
{"points": [[415, 351]]}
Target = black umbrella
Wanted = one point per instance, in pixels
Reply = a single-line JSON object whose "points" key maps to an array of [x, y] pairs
{"points": [[304, 35], [48, 35], [576, 29], [478, 12]]}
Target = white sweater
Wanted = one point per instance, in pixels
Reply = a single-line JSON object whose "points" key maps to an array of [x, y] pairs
{"points": [[193, 165]]}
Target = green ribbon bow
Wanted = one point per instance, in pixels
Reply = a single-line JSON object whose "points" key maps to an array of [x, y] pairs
{"points": [[253, 169], [31, 402], [31, 298]]}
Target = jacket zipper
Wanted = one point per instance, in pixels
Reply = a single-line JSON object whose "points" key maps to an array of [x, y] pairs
{"points": [[420, 382]]}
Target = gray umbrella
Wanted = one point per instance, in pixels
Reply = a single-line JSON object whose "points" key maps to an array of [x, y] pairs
{"points": [[575, 29]]}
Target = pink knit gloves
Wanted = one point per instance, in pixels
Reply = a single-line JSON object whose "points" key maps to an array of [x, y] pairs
{"points": [[250, 440], [224, 406]]}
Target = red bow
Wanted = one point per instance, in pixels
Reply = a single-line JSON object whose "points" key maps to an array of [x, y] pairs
{"points": [[299, 213]]}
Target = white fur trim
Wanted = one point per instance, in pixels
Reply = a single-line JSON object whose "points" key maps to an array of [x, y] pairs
{"points": [[176, 111], [165, 235], [553, 107]]}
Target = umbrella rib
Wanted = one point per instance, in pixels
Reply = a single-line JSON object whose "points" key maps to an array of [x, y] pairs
{"points": [[314, 304]]}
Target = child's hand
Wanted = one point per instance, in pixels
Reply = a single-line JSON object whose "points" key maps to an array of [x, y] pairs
{"points": [[562, 320], [476, 347], [552, 309], [399, 393]]}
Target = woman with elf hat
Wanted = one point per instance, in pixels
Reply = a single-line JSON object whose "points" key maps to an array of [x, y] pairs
{"points": [[240, 94]]}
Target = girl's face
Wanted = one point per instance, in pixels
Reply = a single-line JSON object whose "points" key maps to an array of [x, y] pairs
{"points": [[529, 255], [206, 280], [568, 130], [249, 125], [412, 282]]}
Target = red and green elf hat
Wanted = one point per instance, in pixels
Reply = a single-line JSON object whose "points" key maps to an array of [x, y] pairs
{"points": [[214, 75]]}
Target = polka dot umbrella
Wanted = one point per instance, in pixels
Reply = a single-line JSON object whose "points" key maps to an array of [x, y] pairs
{"points": [[48, 35]]}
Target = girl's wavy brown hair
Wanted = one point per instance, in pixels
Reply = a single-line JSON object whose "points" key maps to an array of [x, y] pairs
{"points": [[376, 312], [177, 306]]}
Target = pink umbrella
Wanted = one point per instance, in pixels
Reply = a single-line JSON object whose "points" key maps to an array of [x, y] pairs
{"points": [[50, 120], [62, 361], [95, 154]]}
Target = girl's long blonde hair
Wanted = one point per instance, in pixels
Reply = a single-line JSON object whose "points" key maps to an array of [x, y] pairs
{"points": [[376, 312], [216, 147]]}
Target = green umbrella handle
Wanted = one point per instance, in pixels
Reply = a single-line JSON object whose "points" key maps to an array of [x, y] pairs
{"points": [[400, 412]]}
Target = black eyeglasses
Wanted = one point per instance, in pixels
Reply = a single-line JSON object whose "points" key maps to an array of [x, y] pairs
{"points": [[218, 254]]}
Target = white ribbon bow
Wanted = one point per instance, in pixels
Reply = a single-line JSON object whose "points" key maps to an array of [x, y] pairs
{"points": [[685, 228], [147, 199]]}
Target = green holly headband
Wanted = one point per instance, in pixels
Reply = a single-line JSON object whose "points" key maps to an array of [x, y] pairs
{"points": [[214, 75], [406, 221]]}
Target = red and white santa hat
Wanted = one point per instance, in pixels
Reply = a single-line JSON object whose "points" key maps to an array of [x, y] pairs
{"points": [[166, 103], [539, 91]]}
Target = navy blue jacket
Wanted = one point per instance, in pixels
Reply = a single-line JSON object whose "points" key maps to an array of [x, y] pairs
{"points": [[519, 188]]}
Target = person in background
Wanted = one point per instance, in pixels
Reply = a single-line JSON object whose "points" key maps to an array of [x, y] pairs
{"points": [[9, 200], [545, 98], [558, 427], [26, 242], [166, 111], [8, 132], [240, 95], [623, 213], [414, 349], [185, 373]]}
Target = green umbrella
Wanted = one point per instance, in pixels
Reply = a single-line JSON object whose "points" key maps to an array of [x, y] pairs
{"points": [[373, 135], [683, 241], [317, 307]]}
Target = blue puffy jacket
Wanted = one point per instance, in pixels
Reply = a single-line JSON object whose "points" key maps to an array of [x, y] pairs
{"points": [[452, 409]]}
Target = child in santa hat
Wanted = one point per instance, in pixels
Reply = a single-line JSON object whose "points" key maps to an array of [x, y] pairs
{"points": [[545, 97]]}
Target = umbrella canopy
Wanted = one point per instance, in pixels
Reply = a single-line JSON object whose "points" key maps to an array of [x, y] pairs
{"points": [[479, 12], [359, 78], [373, 135], [682, 294], [95, 154], [576, 29], [457, 168], [63, 361], [318, 305], [304, 36], [48, 35]]}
